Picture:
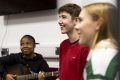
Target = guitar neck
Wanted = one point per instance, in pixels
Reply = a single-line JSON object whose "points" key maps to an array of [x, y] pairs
{"points": [[35, 75], [26, 77], [54, 73]]}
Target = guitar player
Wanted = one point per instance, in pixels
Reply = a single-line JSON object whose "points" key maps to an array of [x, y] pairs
{"points": [[32, 61]]}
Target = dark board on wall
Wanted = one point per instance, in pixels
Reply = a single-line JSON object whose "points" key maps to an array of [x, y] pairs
{"points": [[21, 6]]}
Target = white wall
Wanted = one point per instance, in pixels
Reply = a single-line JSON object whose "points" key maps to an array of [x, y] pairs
{"points": [[2, 30], [42, 25]]}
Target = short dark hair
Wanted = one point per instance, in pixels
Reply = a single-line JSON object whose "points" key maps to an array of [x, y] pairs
{"points": [[72, 9], [31, 38]]}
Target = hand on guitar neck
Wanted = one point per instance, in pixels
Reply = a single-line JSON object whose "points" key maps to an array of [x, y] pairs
{"points": [[42, 75]]}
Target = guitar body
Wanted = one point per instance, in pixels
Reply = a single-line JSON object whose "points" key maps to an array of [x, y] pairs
{"points": [[18, 69], [21, 71]]}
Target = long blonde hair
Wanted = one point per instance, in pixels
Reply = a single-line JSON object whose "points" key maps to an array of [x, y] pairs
{"points": [[107, 13]]}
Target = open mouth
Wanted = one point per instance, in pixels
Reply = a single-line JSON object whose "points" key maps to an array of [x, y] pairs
{"points": [[25, 50]]}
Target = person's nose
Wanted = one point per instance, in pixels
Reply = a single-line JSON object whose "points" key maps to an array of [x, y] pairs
{"points": [[60, 21], [77, 29]]}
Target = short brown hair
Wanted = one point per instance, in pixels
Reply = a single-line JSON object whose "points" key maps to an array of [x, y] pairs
{"points": [[72, 9]]}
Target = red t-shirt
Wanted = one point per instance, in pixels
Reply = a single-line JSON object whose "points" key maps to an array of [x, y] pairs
{"points": [[72, 60]]}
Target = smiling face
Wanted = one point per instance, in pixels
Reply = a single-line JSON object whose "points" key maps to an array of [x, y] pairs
{"points": [[86, 28], [27, 46], [66, 23]]}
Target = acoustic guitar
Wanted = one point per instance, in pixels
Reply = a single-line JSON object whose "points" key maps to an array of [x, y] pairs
{"points": [[35, 75], [22, 72]]}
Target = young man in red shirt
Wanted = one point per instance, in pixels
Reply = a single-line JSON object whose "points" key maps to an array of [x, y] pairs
{"points": [[72, 54]]}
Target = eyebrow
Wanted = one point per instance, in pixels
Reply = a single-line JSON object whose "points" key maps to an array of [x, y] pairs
{"points": [[79, 18], [61, 15]]}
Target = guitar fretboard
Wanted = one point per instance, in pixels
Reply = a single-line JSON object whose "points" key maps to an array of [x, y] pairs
{"points": [[27, 77], [35, 75]]}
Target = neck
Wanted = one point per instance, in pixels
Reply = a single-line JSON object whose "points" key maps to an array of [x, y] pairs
{"points": [[29, 56], [94, 41], [73, 37]]}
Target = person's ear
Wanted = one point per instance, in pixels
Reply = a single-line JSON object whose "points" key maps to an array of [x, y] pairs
{"points": [[76, 20], [99, 23], [34, 45]]}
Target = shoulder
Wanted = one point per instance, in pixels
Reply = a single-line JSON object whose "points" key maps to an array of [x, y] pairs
{"points": [[105, 48], [65, 41], [107, 43], [104, 51], [39, 56], [14, 55], [83, 47]]}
